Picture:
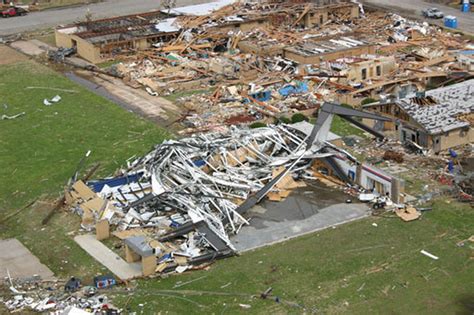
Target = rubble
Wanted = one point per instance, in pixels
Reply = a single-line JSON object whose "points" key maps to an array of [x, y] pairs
{"points": [[6, 117], [46, 296], [233, 65], [183, 201], [200, 179]]}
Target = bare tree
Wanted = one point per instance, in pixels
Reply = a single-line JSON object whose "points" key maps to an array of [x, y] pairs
{"points": [[168, 5], [88, 15]]}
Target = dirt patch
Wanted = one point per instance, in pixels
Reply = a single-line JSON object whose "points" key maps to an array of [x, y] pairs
{"points": [[9, 55]]}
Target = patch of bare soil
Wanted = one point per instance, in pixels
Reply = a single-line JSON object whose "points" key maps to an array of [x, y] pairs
{"points": [[9, 55]]}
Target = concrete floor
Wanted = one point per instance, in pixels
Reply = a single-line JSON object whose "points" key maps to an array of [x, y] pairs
{"points": [[306, 210], [108, 258], [20, 262], [154, 108]]}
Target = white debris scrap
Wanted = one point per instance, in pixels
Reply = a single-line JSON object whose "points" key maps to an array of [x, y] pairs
{"points": [[6, 117], [50, 102]]}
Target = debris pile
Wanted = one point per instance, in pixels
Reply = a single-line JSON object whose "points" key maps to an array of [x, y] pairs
{"points": [[54, 298], [200, 180], [260, 62], [183, 201]]}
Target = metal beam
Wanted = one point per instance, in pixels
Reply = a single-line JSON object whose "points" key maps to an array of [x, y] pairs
{"points": [[364, 127]]}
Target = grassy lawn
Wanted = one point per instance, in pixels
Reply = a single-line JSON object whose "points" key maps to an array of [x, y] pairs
{"points": [[343, 128], [173, 97], [47, 39], [107, 64], [354, 269], [41, 149]]}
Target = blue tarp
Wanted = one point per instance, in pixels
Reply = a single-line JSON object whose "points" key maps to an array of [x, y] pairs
{"points": [[300, 87], [450, 166], [262, 96], [97, 185], [199, 163]]}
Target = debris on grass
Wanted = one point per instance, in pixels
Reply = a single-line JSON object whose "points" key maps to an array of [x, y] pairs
{"points": [[49, 102], [6, 117], [49, 296], [424, 252]]}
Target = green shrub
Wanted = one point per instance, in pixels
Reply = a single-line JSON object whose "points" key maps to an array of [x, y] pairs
{"points": [[285, 120], [368, 100], [298, 117], [257, 124]]}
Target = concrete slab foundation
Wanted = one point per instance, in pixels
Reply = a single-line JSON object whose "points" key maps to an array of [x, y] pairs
{"points": [[250, 237], [305, 211], [31, 48], [108, 258], [20, 262]]}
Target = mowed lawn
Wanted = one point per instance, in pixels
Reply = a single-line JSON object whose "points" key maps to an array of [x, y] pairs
{"points": [[356, 268], [40, 151]]}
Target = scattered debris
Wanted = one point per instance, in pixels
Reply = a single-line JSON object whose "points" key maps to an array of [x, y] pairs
{"points": [[72, 285], [102, 282], [50, 88], [6, 117], [463, 242], [50, 102], [60, 54], [48, 296], [408, 214], [424, 252], [393, 156]]}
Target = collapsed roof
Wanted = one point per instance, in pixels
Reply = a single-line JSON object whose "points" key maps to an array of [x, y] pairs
{"points": [[446, 104]]}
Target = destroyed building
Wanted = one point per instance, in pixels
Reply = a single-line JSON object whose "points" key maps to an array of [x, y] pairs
{"points": [[437, 119], [315, 52], [193, 194], [99, 40], [465, 59], [362, 69]]}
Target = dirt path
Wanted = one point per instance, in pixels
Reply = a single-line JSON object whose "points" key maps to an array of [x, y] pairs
{"points": [[9, 55]]}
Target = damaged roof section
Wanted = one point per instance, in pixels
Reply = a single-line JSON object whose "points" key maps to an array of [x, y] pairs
{"points": [[442, 108]]}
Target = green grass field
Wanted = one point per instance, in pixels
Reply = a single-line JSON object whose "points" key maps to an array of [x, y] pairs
{"points": [[355, 268], [343, 128]]}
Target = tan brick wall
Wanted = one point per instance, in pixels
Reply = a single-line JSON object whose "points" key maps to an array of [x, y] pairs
{"points": [[455, 138], [87, 50], [62, 40]]}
